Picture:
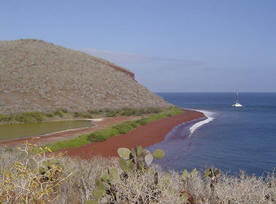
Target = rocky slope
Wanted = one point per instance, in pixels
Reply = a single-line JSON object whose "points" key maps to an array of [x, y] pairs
{"points": [[40, 76]]}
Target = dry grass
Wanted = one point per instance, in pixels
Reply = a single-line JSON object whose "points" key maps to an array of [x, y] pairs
{"points": [[77, 180]]}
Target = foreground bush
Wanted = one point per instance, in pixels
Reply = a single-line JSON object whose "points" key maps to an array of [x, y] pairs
{"points": [[30, 177]]}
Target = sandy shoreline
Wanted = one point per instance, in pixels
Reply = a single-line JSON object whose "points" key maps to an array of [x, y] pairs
{"points": [[145, 136]]}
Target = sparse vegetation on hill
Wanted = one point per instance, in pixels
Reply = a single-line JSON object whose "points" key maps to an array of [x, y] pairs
{"points": [[37, 76], [31, 177]]}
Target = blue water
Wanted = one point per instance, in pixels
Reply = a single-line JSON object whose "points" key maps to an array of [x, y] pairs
{"points": [[237, 139]]}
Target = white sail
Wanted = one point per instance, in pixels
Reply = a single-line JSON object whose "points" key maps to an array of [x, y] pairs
{"points": [[236, 103]]}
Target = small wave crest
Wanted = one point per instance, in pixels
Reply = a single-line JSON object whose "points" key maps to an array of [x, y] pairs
{"points": [[209, 117]]}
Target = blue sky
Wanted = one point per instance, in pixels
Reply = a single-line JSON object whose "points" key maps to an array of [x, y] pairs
{"points": [[170, 45]]}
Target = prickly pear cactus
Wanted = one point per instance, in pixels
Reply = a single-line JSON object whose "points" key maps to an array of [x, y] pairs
{"points": [[211, 174], [132, 163], [124, 153], [148, 159], [139, 150], [158, 154], [138, 158], [113, 175], [106, 185], [186, 175]]}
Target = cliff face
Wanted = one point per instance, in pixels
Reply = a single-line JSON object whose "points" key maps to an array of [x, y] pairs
{"points": [[40, 76]]}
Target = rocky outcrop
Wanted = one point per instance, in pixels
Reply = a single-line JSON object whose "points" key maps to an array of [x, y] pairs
{"points": [[40, 76]]}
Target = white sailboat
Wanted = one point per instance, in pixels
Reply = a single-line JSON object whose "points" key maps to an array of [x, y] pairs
{"points": [[237, 104]]}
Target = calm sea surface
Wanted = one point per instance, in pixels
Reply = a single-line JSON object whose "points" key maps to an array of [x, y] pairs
{"points": [[237, 139]]}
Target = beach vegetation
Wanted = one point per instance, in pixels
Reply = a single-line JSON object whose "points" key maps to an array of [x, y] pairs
{"points": [[82, 115], [49, 115], [125, 127], [59, 113], [30, 117], [102, 135], [64, 110], [5, 118], [105, 133], [71, 143]]}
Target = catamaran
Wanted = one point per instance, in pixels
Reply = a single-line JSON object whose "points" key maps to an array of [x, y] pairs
{"points": [[237, 104]]}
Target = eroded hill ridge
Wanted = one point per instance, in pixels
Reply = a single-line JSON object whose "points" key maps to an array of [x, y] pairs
{"points": [[40, 76]]}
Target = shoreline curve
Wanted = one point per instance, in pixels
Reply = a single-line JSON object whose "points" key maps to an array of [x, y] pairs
{"points": [[145, 136], [209, 117]]}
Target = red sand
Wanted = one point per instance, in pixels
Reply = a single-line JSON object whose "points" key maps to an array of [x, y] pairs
{"points": [[146, 135]]}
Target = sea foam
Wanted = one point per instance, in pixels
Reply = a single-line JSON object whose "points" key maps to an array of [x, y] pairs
{"points": [[209, 117]]}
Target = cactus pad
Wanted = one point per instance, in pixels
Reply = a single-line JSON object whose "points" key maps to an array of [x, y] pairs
{"points": [[148, 159], [139, 150], [124, 152], [158, 154]]}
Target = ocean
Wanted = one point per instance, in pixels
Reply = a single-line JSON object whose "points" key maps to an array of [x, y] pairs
{"points": [[231, 139]]}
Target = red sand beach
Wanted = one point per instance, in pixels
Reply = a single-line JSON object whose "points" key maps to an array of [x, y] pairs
{"points": [[146, 135]]}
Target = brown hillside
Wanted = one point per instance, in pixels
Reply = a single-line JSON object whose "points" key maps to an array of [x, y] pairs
{"points": [[40, 76]]}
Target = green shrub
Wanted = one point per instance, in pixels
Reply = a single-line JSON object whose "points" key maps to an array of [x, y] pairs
{"points": [[111, 113], [103, 134], [77, 114], [5, 118], [128, 112], [154, 110], [134, 124], [96, 112], [64, 110], [58, 113], [49, 115], [142, 121], [86, 115], [72, 143], [125, 127], [29, 117], [82, 115]]}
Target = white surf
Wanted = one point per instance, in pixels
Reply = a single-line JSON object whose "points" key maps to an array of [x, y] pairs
{"points": [[209, 117]]}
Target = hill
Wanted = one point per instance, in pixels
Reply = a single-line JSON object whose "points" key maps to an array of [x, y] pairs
{"points": [[40, 76]]}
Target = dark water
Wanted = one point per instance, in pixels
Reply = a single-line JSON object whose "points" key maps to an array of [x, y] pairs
{"points": [[237, 139]]}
